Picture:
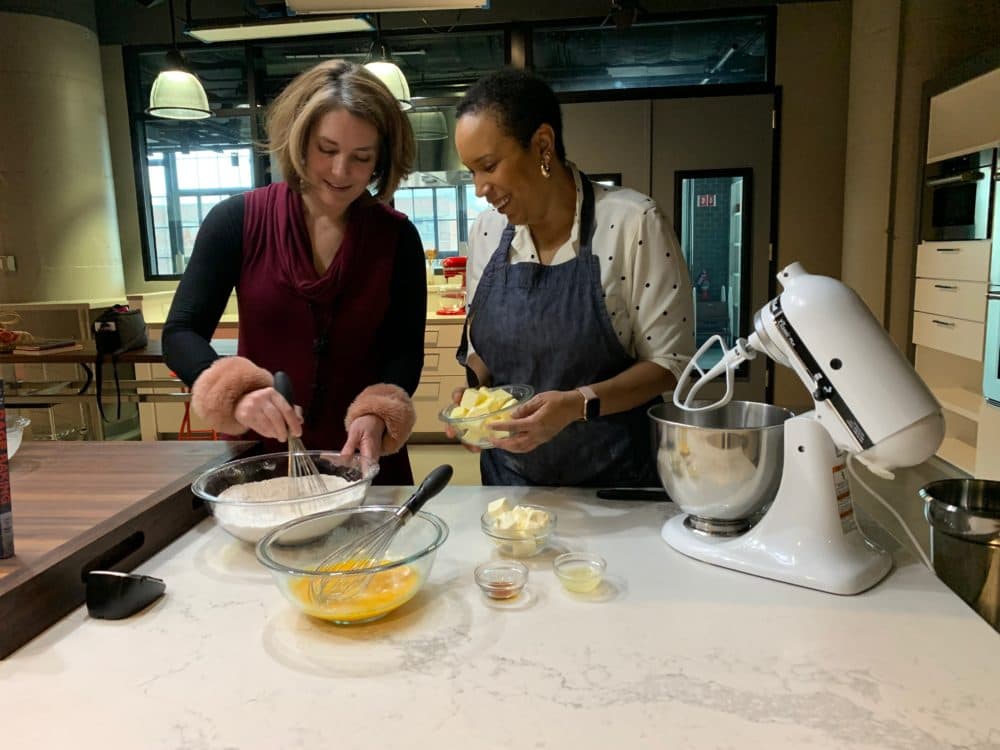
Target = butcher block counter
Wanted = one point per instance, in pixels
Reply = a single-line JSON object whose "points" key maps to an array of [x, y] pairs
{"points": [[667, 653], [80, 506]]}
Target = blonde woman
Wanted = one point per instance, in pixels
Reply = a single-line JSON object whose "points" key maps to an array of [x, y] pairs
{"points": [[329, 280]]}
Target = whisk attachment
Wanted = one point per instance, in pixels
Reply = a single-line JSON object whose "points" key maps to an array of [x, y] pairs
{"points": [[307, 478], [368, 550]]}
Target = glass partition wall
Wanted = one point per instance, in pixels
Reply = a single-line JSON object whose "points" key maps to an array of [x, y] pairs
{"points": [[713, 226], [183, 168]]}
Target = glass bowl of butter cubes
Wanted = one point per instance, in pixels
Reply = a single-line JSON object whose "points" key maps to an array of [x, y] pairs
{"points": [[480, 407], [518, 530]]}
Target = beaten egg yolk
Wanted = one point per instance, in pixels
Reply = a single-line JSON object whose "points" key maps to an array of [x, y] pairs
{"points": [[386, 590]]}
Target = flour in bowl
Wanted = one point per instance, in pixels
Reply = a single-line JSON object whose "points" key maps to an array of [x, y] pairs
{"points": [[250, 510], [278, 488]]}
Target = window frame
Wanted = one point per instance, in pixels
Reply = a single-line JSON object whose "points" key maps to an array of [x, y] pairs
{"points": [[518, 51]]}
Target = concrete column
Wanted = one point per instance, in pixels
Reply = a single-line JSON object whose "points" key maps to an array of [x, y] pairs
{"points": [[57, 201], [868, 173]]}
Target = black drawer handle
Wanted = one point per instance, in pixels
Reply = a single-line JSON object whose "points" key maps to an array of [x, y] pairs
{"points": [[945, 286], [946, 323], [949, 249]]}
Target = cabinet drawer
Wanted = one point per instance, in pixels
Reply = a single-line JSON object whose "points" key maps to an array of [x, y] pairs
{"points": [[431, 396], [961, 337], [443, 335], [442, 362], [956, 299], [968, 260]]}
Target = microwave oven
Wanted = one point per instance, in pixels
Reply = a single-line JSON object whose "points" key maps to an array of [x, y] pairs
{"points": [[957, 197]]}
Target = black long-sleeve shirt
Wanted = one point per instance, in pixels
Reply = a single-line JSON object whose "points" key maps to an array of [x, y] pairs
{"points": [[214, 270]]}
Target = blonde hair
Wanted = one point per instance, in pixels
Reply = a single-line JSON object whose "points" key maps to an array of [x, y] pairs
{"points": [[335, 85]]}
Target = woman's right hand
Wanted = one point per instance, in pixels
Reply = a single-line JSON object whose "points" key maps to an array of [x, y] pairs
{"points": [[456, 398], [266, 412]]}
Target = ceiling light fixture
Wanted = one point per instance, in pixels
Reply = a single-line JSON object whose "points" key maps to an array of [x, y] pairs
{"points": [[223, 30], [380, 6], [386, 70], [177, 94], [429, 126]]}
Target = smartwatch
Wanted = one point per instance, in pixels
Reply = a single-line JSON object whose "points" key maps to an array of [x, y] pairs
{"points": [[591, 403]]}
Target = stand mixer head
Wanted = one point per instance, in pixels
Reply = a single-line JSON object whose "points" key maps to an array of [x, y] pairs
{"points": [[868, 402]]}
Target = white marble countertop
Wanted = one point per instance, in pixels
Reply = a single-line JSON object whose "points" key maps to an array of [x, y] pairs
{"points": [[673, 653]]}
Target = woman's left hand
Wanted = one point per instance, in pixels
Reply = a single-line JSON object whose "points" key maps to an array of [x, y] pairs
{"points": [[538, 420], [365, 436]]}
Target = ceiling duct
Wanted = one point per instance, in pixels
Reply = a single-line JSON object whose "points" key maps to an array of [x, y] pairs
{"points": [[380, 6]]}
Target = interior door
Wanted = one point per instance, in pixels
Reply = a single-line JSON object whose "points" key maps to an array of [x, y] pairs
{"points": [[711, 167]]}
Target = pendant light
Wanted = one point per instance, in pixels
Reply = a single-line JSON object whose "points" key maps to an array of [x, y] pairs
{"points": [[177, 94], [429, 126], [387, 71]]}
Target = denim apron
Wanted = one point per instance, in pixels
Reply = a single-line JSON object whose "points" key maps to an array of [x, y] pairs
{"points": [[549, 327]]}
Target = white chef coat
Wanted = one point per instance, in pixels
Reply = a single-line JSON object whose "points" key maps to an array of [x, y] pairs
{"points": [[646, 284]]}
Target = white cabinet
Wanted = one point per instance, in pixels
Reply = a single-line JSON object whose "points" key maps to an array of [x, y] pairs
{"points": [[965, 118], [949, 310], [441, 375]]}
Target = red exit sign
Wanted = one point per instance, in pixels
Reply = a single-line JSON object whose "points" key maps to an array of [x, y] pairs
{"points": [[707, 200]]}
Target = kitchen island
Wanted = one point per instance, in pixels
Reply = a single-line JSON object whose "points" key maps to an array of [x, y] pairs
{"points": [[667, 653]]}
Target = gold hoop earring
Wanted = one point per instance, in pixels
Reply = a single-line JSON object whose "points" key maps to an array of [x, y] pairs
{"points": [[546, 166]]}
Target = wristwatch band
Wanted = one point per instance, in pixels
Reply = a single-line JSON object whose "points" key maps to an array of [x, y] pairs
{"points": [[591, 403]]}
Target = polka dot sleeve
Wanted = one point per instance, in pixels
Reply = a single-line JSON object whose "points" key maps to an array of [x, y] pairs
{"points": [[660, 304]]}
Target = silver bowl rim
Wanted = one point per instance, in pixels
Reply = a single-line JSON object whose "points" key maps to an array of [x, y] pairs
{"points": [[685, 425], [197, 486], [265, 559]]}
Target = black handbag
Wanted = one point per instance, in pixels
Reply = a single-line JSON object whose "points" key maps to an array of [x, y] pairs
{"points": [[116, 330]]}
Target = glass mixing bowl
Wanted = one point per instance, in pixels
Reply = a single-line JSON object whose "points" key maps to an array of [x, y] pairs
{"points": [[15, 433], [294, 551], [250, 518]]}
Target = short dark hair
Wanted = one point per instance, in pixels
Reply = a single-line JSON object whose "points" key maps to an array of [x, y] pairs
{"points": [[520, 101]]}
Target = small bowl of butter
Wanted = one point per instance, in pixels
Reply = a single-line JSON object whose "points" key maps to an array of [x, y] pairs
{"points": [[579, 572], [518, 530]]}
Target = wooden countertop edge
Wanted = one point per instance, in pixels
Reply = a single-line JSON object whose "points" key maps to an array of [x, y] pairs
{"points": [[33, 599]]}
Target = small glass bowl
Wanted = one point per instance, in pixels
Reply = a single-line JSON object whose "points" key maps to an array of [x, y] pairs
{"points": [[579, 572], [502, 579], [474, 430], [519, 543]]}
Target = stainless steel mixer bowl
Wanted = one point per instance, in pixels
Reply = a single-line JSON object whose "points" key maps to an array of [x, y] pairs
{"points": [[722, 466]]}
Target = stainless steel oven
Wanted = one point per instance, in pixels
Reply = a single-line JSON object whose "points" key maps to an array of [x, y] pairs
{"points": [[957, 197]]}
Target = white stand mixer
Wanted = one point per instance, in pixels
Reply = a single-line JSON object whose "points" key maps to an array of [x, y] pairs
{"points": [[869, 402]]}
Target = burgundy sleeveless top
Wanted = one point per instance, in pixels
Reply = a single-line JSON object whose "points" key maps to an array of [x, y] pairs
{"points": [[320, 329]]}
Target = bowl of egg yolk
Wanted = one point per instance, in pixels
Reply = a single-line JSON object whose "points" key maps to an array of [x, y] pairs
{"points": [[296, 554]]}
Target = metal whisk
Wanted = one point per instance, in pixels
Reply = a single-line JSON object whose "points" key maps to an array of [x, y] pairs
{"points": [[368, 550], [308, 480]]}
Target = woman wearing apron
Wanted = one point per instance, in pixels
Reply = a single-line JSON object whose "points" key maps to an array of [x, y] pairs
{"points": [[576, 289]]}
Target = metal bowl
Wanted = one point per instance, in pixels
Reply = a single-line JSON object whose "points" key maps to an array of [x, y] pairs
{"points": [[722, 467]]}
